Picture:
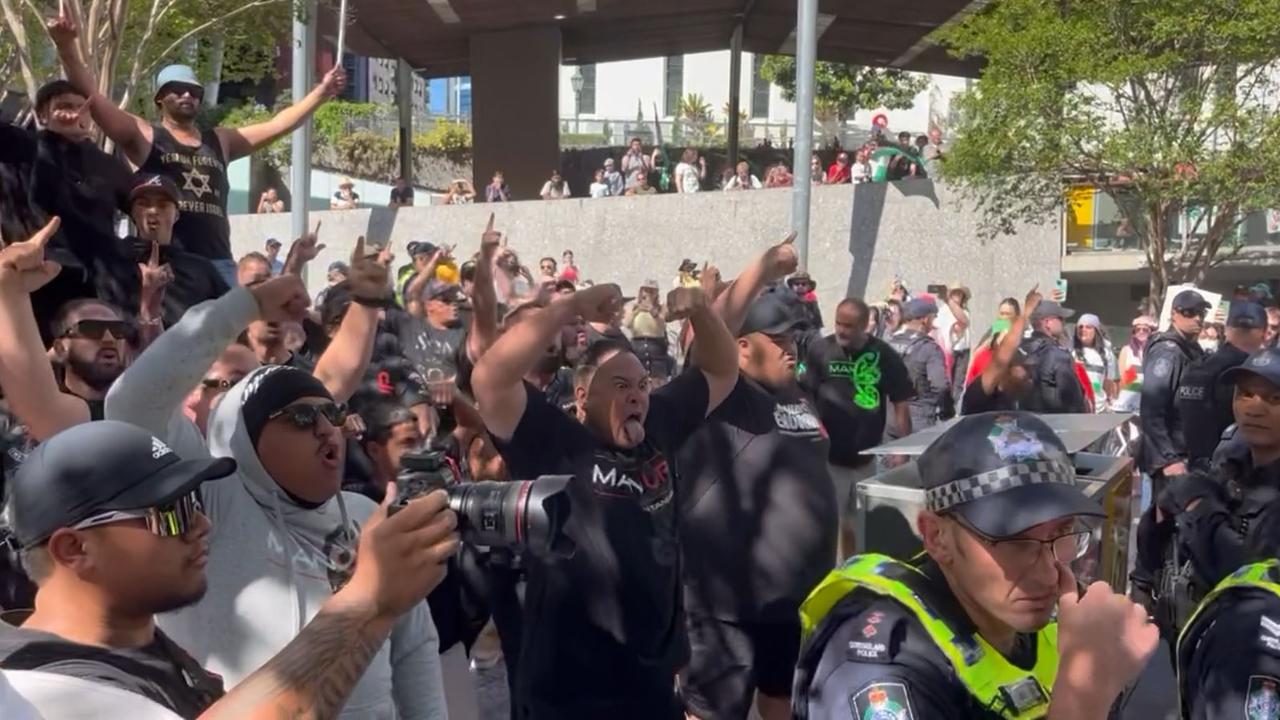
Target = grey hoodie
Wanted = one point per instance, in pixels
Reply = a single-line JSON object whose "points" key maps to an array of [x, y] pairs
{"points": [[272, 563]]}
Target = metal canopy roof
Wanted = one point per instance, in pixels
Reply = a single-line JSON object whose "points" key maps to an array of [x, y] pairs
{"points": [[432, 35]]}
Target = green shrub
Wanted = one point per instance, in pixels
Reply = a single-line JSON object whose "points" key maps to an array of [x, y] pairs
{"points": [[445, 136], [332, 119]]}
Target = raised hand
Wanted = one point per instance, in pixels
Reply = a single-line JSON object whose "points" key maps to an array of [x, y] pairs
{"points": [[490, 240], [281, 299], [1104, 638], [368, 278], [1032, 300], [599, 303], [402, 552], [781, 260], [683, 302], [334, 82], [155, 278], [386, 256], [62, 29], [23, 262], [304, 250]]}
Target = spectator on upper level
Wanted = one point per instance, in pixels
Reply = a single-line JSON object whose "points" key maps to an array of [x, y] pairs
{"points": [[270, 202], [613, 178], [691, 171], [497, 190], [557, 188], [402, 194], [778, 176], [861, 171], [461, 192], [346, 198], [816, 175], [743, 179], [598, 188], [839, 171], [640, 185], [635, 161]]}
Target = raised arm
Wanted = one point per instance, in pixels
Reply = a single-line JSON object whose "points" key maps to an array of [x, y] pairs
{"points": [[717, 351], [776, 263], [402, 558], [241, 142], [342, 366], [129, 132], [484, 298], [25, 372], [498, 380], [1002, 358]]}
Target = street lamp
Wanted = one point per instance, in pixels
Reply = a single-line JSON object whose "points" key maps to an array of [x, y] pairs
{"points": [[577, 81]]}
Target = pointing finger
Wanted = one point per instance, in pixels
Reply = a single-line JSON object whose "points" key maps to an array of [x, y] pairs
{"points": [[155, 254], [46, 233], [791, 237], [358, 253], [317, 232], [489, 227]]}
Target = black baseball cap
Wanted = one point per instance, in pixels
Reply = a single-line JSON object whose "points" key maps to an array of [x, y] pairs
{"points": [[416, 249], [1003, 473], [441, 290], [97, 466], [772, 313], [918, 308], [152, 184], [1189, 300], [1247, 315], [1264, 364], [1049, 308]]}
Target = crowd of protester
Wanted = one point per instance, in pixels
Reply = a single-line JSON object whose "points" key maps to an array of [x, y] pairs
{"points": [[200, 462]]}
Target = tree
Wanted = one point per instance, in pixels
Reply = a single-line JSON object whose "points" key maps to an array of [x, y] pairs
{"points": [[1168, 106], [841, 90], [124, 43]]}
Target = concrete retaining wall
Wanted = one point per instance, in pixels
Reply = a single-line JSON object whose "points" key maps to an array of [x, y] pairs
{"points": [[861, 237]]}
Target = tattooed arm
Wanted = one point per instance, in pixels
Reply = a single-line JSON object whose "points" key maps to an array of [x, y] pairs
{"points": [[401, 558]]}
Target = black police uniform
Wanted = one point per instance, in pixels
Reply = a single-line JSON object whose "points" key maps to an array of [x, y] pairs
{"points": [[1203, 403], [1166, 359], [1055, 388], [927, 369]]}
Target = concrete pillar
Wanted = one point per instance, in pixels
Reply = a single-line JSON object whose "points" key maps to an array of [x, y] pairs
{"points": [[404, 102], [515, 107]]}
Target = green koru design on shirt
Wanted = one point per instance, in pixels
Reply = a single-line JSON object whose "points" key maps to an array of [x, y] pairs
{"points": [[864, 373]]}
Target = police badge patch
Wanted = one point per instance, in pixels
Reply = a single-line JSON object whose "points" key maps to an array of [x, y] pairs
{"points": [[1263, 700], [881, 701], [1162, 368]]}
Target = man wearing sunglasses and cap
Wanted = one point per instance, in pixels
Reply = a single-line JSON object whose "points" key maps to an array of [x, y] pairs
{"points": [[111, 526], [176, 147], [1164, 449], [967, 629]]}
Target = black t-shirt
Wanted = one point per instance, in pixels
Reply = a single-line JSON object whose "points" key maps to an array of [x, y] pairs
{"points": [[881, 649], [607, 635], [428, 347], [851, 388], [201, 176], [758, 506], [976, 399], [194, 279], [161, 671]]}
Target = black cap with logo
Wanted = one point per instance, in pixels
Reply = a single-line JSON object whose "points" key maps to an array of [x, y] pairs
{"points": [[1004, 473], [1189, 300], [774, 312], [1264, 364], [97, 466]]}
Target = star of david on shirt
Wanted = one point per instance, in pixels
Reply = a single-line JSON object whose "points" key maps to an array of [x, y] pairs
{"points": [[197, 182]]}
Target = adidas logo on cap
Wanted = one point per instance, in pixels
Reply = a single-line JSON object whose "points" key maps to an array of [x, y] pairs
{"points": [[159, 449]]}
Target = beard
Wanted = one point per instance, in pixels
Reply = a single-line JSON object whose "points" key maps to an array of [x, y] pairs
{"points": [[96, 375], [175, 601]]}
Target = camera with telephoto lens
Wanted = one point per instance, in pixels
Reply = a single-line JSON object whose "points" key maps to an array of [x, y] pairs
{"points": [[519, 515]]}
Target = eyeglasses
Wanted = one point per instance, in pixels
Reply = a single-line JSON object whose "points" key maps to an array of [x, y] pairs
{"points": [[171, 520], [222, 384], [1019, 554], [1142, 330], [97, 329], [305, 417]]}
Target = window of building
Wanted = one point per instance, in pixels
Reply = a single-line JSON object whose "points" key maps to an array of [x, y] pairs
{"points": [[587, 100], [759, 90], [674, 87]]}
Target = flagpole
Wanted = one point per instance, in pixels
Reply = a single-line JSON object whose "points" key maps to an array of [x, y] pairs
{"points": [[342, 32]]}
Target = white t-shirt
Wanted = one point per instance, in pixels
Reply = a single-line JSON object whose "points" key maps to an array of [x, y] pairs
{"points": [[548, 191], [599, 189], [49, 696], [687, 178]]}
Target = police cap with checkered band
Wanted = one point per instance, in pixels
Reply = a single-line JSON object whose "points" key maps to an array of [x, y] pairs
{"points": [[97, 466], [1004, 473]]}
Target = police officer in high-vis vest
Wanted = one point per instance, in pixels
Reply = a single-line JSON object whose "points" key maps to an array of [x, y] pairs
{"points": [[1229, 652], [966, 630]]}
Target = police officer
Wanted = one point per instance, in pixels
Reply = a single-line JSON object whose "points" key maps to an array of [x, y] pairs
{"points": [[1050, 369], [1168, 355], [966, 631], [1203, 400], [1229, 649], [926, 364]]}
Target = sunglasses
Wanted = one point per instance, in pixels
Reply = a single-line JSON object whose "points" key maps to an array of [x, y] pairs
{"points": [[171, 520], [305, 417], [182, 89], [1194, 313], [98, 329], [222, 384]]}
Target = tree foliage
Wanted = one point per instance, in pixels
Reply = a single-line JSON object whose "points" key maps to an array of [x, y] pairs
{"points": [[125, 42], [1166, 105], [841, 90]]}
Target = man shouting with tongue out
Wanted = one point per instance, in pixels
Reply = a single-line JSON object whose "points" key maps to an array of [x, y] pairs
{"points": [[604, 630]]}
